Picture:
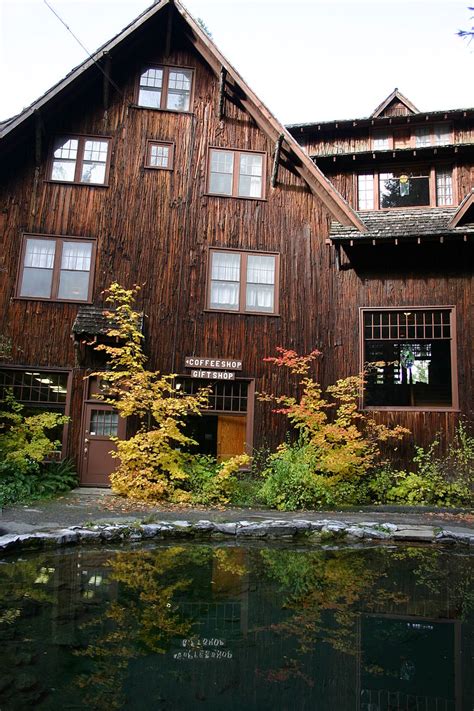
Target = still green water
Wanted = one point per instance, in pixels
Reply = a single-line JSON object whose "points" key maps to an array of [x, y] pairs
{"points": [[225, 627]]}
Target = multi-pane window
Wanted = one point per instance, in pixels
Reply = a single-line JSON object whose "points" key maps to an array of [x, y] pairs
{"points": [[159, 155], [223, 397], [243, 282], [405, 187], [236, 173], [444, 187], [442, 134], [80, 159], [104, 423], [165, 88], [38, 391], [421, 136], [56, 268], [365, 188], [408, 357]]}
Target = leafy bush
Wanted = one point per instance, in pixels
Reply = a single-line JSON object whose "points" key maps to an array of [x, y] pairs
{"points": [[211, 483], [438, 480], [40, 481], [25, 443], [292, 482], [337, 448]]}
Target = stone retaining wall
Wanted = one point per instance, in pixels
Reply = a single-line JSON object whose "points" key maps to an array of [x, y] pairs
{"points": [[318, 532]]}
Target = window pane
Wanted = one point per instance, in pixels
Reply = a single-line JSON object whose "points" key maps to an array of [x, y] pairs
{"points": [[38, 268], [444, 187], [76, 256], [381, 141], [422, 136], [221, 170], [149, 98], [250, 175], [66, 148], [63, 170], [225, 280], [103, 424], [403, 189], [225, 266], [260, 269], [224, 295], [442, 134], [159, 155], [365, 191], [75, 268], [179, 89], [261, 297]]}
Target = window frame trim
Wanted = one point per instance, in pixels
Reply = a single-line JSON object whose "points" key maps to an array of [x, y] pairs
{"points": [[160, 142], [56, 268], [82, 138], [164, 88], [235, 173], [454, 407], [432, 173], [243, 283]]}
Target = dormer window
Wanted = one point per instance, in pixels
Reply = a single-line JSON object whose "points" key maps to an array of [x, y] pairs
{"points": [[166, 88], [405, 187]]}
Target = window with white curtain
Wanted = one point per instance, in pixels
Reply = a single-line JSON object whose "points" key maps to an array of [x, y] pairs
{"points": [[56, 268], [244, 282]]}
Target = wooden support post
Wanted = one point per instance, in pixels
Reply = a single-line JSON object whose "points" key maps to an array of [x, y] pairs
{"points": [[222, 83], [38, 138], [276, 159], [338, 257]]}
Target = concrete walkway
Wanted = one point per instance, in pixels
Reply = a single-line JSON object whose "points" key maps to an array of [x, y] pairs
{"points": [[89, 506]]}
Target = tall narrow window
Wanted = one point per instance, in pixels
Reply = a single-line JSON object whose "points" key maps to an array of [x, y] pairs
{"points": [[444, 187], [236, 173], [442, 134], [365, 192], [80, 159], [243, 281], [165, 88], [56, 269], [381, 140], [408, 358]]}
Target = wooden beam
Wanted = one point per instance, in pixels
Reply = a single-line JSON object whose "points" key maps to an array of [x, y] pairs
{"points": [[106, 81], [169, 30], [276, 159], [222, 83]]}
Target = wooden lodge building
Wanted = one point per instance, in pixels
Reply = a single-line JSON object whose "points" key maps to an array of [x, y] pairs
{"points": [[153, 163]]}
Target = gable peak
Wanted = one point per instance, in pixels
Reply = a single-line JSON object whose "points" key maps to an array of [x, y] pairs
{"points": [[396, 104]]}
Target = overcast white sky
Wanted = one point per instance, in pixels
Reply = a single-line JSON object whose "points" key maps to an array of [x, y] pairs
{"points": [[308, 60]]}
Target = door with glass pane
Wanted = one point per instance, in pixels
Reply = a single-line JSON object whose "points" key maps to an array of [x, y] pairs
{"points": [[101, 422]]}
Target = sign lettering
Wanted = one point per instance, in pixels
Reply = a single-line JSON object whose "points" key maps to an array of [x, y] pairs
{"points": [[212, 363], [213, 374]]}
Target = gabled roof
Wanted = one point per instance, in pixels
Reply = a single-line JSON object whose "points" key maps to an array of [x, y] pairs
{"points": [[433, 222], [304, 166], [465, 211], [394, 96]]}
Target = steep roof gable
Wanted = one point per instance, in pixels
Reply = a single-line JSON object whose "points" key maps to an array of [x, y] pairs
{"points": [[395, 105], [273, 129], [464, 213]]}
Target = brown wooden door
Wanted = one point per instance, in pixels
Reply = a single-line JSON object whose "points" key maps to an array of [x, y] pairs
{"points": [[231, 431], [101, 422]]}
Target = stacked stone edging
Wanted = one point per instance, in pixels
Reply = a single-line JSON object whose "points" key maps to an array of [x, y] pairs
{"points": [[324, 531]]}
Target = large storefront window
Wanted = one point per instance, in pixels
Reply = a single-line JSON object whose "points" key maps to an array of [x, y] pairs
{"points": [[408, 358], [38, 391]]}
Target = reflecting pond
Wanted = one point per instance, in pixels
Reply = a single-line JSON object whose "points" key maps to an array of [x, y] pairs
{"points": [[227, 627]]}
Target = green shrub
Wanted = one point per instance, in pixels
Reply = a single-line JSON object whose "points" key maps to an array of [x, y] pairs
{"points": [[39, 481], [211, 483]]}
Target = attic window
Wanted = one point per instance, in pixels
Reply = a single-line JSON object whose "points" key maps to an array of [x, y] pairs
{"points": [[80, 159], [166, 88]]}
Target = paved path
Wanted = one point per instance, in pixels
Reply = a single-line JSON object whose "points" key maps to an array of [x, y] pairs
{"points": [[101, 505]]}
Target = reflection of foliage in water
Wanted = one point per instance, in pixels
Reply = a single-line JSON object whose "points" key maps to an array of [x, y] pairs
{"points": [[142, 620], [326, 591]]}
